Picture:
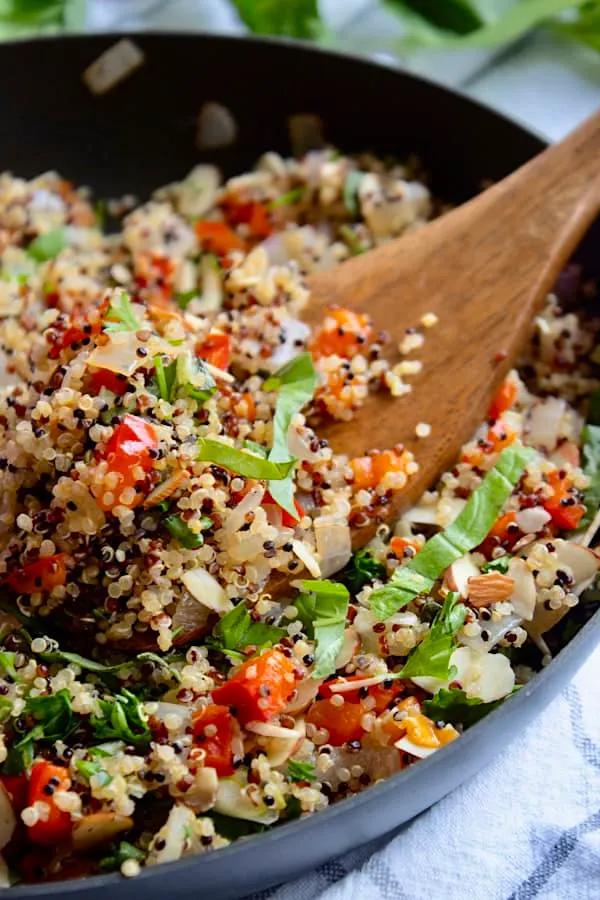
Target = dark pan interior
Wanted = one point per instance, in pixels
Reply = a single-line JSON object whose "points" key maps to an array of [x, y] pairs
{"points": [[141, 135]]}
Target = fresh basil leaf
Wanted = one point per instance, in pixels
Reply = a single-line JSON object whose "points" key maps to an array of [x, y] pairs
{"points": [[255, 448], [47, 246], [88, 769], [232, 829], [124, 852], [184, 298], [455, 707], [497, 565], [323, 608], [182, 533], [7, 664], [363, 569], [295, 383], [301, 770], [121, 315], [88, 665], [591, 466], [236, 630], [289, 198], [294, 18], [121, 718], [350, 192], [241, 462], [165, 378], [467, 531], [432, 656]]}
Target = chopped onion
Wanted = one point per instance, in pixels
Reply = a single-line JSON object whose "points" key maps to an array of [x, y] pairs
{"points": [[532, 519], [334, 545], [349, 647], [304, 694], [112, 66], [207, 590], [202, 794], [172, 836], [417, 750], [523, 596], [543, 425], [7, 818], [279, 750], [197, 192], [268, 729], [487, 676], [294, 334], [216, 127], [219, 374], [306, 556], [211, 299], [237, 516], [342, 687], [233, 801]]}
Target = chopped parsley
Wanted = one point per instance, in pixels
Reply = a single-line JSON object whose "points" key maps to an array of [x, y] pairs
{"points": [[300, 770], [121, 315]]}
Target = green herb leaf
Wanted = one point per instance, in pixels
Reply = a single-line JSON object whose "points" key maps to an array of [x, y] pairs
{"points": [[362, 569], [497, 565], [591, 466], [47, 246], [323, 608], [289, 198], [241, 462], [296, 383], [183, 533], [467, 531], [455, 707], [124, 852], [300, 770], [295, 18], [121, 315], [353, 242], [232, 829], [236, 630], [88, 769], [88, 665], [7, 664], [121, 718], [432, 656], [184, 298], [165, 378], [350, 192]]}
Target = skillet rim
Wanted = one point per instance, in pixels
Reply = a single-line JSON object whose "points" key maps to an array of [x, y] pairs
{"points": [[553, 677]]}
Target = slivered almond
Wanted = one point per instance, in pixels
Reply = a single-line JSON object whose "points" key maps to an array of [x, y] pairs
{"points": [[164, 490], [489, 588]]}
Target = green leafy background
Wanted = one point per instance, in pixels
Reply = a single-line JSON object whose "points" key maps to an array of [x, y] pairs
{"points": [[430, 23]]}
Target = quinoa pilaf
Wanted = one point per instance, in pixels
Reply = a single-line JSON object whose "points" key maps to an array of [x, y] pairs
{"points": [[161, 469]]}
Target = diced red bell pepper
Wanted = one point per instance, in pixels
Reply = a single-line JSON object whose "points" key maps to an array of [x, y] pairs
{"points": [[215, 349], [218, 238], [347, 334], [344, 723], [72, 335], [104, 378], [252, 214], [503, 399], [566, 512], [129, 447], [287, 520], [383, 695], [44, 781], [503, 533], [218, 746], [17, 788], [260, 688], [45, 573]]}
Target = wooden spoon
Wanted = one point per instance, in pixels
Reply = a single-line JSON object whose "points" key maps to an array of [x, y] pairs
{"points": [[484, 269]]}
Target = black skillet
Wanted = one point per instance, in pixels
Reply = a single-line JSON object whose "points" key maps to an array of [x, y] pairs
{"points": [[141, 135]]}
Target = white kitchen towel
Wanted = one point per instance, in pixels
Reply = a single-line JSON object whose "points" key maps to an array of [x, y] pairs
{"points": [[527, 826]]}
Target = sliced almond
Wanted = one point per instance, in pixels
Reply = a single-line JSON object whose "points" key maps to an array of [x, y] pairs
{"points": [[492, 587]]}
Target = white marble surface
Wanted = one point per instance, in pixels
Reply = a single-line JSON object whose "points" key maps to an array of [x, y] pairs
{"points": [[546, 82]]}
